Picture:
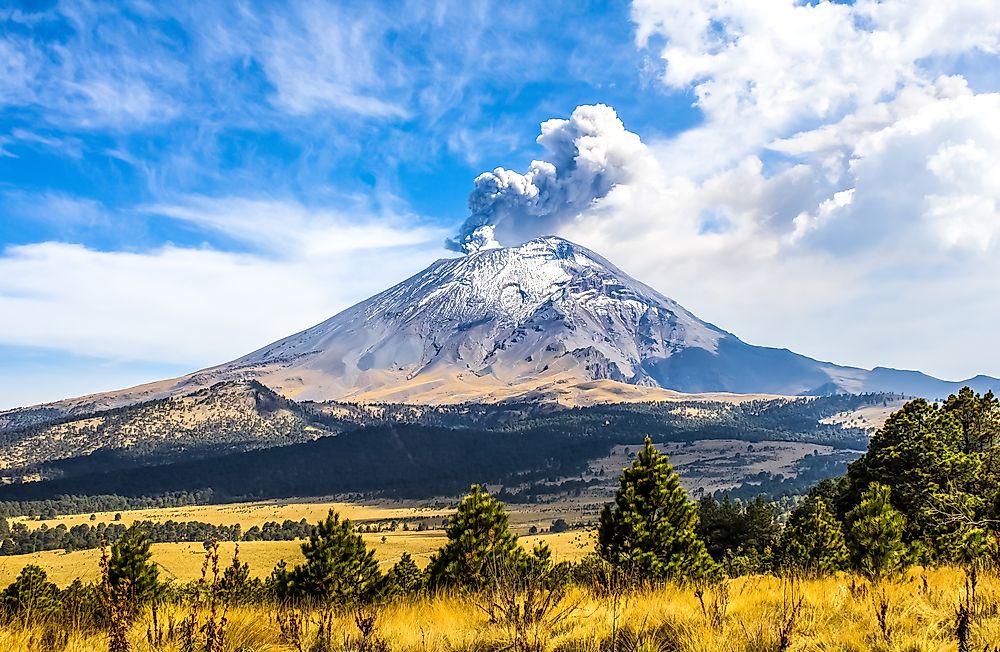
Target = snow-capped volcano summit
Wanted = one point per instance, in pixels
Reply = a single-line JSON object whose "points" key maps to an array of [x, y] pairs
{"points": [[548, 319], [502, 322], [507, 314]]}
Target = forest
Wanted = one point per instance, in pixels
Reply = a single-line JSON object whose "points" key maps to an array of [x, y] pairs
{"points": [[405, 452]]}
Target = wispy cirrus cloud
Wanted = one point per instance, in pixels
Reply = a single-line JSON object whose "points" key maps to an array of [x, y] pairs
{"points": [[199, 305], [289, 229]]}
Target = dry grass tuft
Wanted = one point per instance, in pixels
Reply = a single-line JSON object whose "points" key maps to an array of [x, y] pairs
{"points": [[752, 614]]}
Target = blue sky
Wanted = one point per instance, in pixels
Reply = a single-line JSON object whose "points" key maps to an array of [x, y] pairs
{"points": [[183, 182]]}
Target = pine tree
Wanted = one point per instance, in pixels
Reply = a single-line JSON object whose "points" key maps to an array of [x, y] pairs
{"points": [[235, 584], [651, 531], [813, 541], [130, 568], [31, 597], [917, 453], [339, 568], [978, 416], [404, 578], [722, 526], [479, 542], [875, 534]]}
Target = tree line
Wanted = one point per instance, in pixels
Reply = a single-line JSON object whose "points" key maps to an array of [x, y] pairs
{"points": [[18, 539], [87, 504]]}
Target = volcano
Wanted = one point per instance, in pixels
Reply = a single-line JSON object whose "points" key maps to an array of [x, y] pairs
{"points": [[548, 318]]}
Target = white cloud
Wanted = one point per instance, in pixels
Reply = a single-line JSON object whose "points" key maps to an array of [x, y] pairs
{"points": [[288, 229], [94, 78], [838, 198], [201, 306], [762, 69], [132, 66], [880, 189], [320, 57]]}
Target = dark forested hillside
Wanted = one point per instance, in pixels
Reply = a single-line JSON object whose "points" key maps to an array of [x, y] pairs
{"points": [[410, 451], [395, 460]]}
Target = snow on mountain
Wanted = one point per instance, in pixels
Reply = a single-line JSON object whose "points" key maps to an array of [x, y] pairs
{"points": [[510, 315], [545, 319]]}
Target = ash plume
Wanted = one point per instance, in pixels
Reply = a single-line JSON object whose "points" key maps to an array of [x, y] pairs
{"points": [[586, 157]]}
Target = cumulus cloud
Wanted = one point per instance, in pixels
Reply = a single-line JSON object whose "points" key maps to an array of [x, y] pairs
{"points": [[836, 180], [586, 157], [761, 70]]}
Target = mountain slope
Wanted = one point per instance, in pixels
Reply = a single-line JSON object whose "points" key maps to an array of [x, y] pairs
{"points": [[506, 315], [548, 319], [226, 416], [506, 321]]}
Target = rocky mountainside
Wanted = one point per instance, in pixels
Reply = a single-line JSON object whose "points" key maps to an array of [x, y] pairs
{"points": [[226, 416], [547, 319]]}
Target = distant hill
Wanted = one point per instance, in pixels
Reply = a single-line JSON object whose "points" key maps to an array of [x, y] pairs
{"points": [[252, 443]]}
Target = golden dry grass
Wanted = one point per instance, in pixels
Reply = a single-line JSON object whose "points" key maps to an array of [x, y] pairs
{"points": [[182, 561], [249, 514], [837, 614]]}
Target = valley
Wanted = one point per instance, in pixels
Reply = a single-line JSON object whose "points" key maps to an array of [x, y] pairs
{"points": [[388, 535]]}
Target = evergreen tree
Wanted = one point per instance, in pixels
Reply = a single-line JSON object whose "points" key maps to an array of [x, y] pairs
{"points": [[875, 535], [722, 526], [741, 537], [235, 585], [83, 605], [920, 455], [131, 569], [917, 453], [404, 578], [31, 597], [813, 541], [479, 542], [979, 418], [763, 530], [279, 585], [339, 568], [651, 531]]}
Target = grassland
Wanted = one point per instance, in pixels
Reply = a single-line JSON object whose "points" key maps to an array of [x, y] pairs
{"points": [[750, 614], [182, 561], [250, 514]]}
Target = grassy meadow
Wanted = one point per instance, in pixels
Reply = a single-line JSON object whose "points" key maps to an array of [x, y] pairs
{"points": [[748, 614], [183, 561], [249, 514], [756, 613]]}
